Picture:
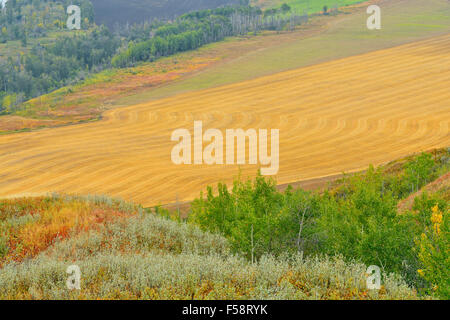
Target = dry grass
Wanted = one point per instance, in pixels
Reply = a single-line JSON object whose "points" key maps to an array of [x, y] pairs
{"points": [[333, 117], [15, 123], [28, 226]]}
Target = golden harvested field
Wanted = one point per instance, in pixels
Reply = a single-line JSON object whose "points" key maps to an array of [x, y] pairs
{"points": [[333, 117]]}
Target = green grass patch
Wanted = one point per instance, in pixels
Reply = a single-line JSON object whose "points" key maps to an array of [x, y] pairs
{"points": [[313, 6]]}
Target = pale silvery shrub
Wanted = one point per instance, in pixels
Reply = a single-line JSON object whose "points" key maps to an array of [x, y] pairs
{"points": [[146, 256]]}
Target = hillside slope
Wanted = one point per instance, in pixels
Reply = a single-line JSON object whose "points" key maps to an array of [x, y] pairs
{"points": [[327, 39], [333, 117], [148, 257], [324, 38]]}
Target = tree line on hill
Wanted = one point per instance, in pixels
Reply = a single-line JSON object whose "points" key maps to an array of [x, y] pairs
{"points": [[73, 56], [25, 19], [44, 69], [193, 30]]}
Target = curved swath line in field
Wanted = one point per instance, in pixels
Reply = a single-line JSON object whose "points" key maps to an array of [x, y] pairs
{"points": [[367, 139], [361, 129], [422, 130], [342, 127], [361, 153]]}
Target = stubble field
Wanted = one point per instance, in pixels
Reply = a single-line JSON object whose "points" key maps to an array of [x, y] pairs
{"points": [[336, 116]]}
